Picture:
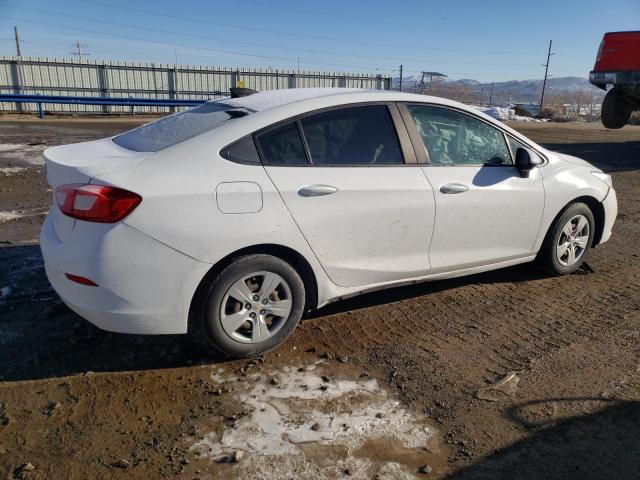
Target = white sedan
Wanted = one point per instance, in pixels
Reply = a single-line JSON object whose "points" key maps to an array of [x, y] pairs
{"points": [[233, 218]]}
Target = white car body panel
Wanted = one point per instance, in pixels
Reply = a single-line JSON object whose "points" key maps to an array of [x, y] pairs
{"points": [[356, 232], [199, 208], [563, 183], [496, 219], [144, 287]]}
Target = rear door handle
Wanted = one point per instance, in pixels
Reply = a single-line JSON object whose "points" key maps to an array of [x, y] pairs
{"points": [[316, 190], [453, 188]]}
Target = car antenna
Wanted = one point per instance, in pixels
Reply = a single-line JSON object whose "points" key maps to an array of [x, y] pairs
{"points": [[237, 92]]}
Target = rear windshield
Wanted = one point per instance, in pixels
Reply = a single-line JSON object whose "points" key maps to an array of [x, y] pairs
{"points": [[178, 127]]}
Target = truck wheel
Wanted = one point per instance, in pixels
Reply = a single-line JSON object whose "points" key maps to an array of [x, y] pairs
{"points": [[615, 109]]}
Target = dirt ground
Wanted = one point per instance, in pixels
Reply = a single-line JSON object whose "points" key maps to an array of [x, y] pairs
{"points": [[389, 385]]}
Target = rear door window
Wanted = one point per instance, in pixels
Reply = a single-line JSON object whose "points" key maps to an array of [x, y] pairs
{"points": [[363, 135], [178, 127]]}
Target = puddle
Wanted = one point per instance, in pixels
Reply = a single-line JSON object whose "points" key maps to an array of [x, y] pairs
{"points": [[305, 423]]}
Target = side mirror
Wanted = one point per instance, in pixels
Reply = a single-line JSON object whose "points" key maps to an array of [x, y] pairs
{"points": [[523, 162]]}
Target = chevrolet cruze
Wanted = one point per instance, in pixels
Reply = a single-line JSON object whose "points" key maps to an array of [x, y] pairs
{"points": [[233, 218]]}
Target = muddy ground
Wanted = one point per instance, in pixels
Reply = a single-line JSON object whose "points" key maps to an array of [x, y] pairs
{"points": [[388, 385]]}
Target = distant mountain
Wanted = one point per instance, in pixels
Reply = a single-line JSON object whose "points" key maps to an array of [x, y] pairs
{"points": [[518, 91]]}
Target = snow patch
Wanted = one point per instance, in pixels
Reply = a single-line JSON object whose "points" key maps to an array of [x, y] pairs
{"points": [[12, 215], [504, 113], [292, 409], [11, 170], [21, 151]]}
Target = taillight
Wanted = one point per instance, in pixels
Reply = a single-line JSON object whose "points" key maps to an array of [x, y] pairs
{"points": [[96, 203], [600, 50]]}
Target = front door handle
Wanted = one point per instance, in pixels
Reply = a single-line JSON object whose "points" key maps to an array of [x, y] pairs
{"points": [[453, 188], [316, 190]]}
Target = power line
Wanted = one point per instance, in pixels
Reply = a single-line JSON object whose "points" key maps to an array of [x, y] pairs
{"points": [[110, 49], [293, 34], [263, 45], [138, 39]]}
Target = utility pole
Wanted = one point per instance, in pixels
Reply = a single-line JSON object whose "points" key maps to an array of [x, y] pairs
{"points": [[491, 95], [15, 32], [422, 84], [79, 53], [400, 77], [546, 74]]}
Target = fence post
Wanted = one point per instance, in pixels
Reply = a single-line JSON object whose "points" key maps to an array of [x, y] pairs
{"points": [[379, 84], [103, 83], [172, 85], [234, 79], [342, 82], [293, 81], [16, 81]]}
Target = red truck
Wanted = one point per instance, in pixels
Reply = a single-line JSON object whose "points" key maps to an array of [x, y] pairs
{"points": [[618, 64]]}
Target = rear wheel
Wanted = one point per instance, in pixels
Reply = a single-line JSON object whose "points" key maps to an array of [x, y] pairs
{"points": [[616, 110], [251, 306], [569, 240]]}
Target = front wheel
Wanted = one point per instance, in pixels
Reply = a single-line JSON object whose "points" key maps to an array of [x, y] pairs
{"points": [[569, 240], [251, 306]]}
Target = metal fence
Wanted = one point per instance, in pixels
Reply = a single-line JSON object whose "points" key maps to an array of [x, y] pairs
{"points": [[88, 78]]}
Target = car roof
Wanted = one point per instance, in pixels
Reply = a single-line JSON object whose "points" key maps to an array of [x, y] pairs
{"points": [[265, 100], [271, 106]]}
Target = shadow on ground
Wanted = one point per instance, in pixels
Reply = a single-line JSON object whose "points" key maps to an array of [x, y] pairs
{"points": [[601, 445], [40, 337], [610, 157]]}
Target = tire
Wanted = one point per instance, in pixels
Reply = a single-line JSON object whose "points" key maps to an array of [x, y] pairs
{"points": [[616, 110], [217, 325], [557, 239]]}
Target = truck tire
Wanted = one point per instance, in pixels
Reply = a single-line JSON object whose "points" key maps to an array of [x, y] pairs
{"points": [[616, 110]]}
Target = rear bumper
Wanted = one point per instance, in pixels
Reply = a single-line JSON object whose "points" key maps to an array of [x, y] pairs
{"points": [[602, 79], [610, 204], [144, 287]]}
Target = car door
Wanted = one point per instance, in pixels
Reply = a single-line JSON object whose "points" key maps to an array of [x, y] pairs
{"points": [[486, 212], [365, 209]]}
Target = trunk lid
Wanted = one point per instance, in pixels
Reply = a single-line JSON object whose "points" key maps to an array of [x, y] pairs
{"points": [[79, 163]]}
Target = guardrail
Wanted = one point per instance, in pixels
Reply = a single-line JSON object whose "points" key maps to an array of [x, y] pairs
{"points": [[131, 102]]}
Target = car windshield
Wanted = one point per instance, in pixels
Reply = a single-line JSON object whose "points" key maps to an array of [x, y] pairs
{"points": [[178, 127]]}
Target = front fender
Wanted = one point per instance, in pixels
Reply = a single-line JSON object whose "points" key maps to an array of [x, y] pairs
{"points": [[563, 184]]}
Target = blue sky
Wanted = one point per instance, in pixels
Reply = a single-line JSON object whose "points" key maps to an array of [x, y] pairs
{"points": [[488, 40]]}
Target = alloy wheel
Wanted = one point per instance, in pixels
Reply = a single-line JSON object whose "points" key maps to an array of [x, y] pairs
{"points": [[255, 307], [573, 241]]}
